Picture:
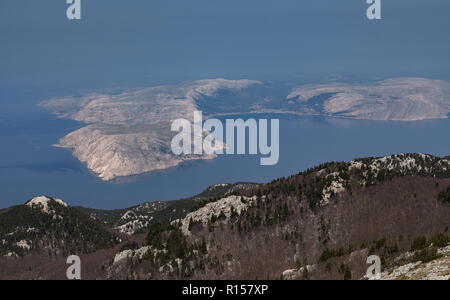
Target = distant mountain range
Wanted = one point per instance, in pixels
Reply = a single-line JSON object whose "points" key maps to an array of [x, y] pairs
{"points": [[128, 133], [319, 224]]}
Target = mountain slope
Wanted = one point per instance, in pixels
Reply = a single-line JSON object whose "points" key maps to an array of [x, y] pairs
{"points": [[137, 219], [322, 223], [319, 224], [49, 226]]}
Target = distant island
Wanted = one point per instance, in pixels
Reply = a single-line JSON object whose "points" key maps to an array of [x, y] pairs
{"points": [[129, 133]]}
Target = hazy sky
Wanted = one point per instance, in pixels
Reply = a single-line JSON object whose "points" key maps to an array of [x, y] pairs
{"points": [[121, 42]]}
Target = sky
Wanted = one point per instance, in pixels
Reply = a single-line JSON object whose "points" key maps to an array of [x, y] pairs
{"points": [[140, 42]]}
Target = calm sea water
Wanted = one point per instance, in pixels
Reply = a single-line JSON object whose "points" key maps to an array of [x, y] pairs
{"points": [[31, 166]]}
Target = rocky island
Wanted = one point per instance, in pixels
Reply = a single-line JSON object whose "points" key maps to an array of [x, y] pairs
{"points": [[129, 133]]}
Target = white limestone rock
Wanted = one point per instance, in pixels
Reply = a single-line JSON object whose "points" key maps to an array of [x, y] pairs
{"points": [[42, 202], [405, 99], [130, 133]]}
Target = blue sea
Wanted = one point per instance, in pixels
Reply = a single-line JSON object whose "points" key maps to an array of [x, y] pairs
{"points": [[30, 165]]}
